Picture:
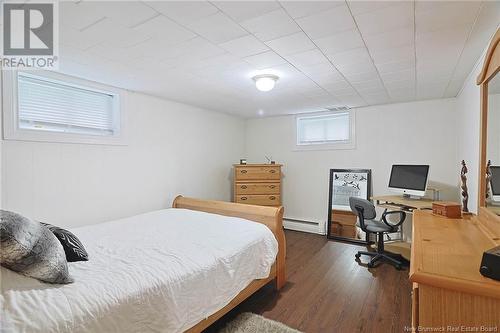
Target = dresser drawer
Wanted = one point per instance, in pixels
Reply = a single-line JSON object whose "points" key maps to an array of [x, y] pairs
{"points": [[257, 173], [257, 188], [259, 199]]}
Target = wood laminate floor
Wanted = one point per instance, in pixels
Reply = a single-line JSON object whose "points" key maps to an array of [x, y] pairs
{"points": [[328, 291]]}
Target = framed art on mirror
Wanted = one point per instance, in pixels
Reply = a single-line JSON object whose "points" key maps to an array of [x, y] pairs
{"points": [[343, 184]]}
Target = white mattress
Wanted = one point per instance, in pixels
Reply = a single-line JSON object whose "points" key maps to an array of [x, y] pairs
{"points": [[162, 271]]}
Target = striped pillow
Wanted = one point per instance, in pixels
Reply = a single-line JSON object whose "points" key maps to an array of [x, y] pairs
{"points": [[71, 244]]}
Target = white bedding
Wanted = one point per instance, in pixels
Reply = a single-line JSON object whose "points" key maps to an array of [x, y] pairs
{"points": [[162, 271]]}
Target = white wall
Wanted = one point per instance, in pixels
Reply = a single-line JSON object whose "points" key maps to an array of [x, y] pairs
{"points": [[418, 132], [173, 149], [468, 116]]}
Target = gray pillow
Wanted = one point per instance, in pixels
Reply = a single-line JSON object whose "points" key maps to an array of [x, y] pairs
{"points": [[29, 248]]}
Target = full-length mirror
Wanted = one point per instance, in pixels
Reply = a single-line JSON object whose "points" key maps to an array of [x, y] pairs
{"points": [[493, 146]]}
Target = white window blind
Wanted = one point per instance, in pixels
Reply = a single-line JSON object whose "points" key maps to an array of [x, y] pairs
{"points": [[47, 105], [324, 129]]}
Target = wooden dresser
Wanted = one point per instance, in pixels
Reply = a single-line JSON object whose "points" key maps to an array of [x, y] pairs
{"points": [[448, 289], [257, 184]]}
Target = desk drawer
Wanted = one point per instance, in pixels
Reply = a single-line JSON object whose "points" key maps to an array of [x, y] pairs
{"points": [[257, 188], [259, 199], [257, 173]]}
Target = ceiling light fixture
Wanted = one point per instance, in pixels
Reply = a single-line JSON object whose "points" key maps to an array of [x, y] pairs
{"points": [[265, 82]]}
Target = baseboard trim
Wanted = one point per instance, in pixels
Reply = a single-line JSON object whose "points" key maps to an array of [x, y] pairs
{"points": [[304, 226]]}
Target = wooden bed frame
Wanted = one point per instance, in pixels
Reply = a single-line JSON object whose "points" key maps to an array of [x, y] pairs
{"points": [[272, 217]]}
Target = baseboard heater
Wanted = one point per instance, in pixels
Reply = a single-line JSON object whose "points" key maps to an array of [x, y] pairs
{"points": [[302, 225]]}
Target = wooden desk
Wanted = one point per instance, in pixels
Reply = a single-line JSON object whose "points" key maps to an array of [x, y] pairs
{"points": [[398, 202], [448, 289], [402, 203]]}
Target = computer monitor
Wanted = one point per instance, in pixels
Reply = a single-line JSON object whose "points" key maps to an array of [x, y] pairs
{"points": [[495, 182], [410, 180]]}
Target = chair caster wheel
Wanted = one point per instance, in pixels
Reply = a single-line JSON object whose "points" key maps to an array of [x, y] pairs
{"points": [[357, 255], [370, 265]]}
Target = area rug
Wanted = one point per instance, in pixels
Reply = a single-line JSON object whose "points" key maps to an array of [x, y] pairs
{"points": [[251, 323]]}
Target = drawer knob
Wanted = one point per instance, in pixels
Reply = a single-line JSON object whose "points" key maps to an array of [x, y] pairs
{"points": [[272, 197], [243, 171], [272, 186], [272, 171], [243, 198], [243, 186]]}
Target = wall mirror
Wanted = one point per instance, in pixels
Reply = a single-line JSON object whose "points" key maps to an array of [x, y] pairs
{"points": [[489, 174], [492, 201]]}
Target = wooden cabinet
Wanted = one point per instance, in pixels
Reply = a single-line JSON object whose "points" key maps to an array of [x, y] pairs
{"points": [[448, 289], [257, 184]]}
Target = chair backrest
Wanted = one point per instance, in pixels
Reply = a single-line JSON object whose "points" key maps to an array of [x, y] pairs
{"points": [[364, 209]]}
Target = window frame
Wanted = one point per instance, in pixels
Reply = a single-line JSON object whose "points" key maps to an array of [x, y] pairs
{"points": [[332, 145], [12, 131]]}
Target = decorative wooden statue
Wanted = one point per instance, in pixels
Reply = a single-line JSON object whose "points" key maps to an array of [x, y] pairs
{"points": [[488, 179], [465, 191]]}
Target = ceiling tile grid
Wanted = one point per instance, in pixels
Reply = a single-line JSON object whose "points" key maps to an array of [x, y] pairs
{"points": [[326, 53]]}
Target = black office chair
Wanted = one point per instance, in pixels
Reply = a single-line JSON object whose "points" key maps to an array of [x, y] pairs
{"points": [[365, 210]]}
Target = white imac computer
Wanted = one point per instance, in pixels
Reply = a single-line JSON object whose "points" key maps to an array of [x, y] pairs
{"points": [[495, 182], [410, 180]]}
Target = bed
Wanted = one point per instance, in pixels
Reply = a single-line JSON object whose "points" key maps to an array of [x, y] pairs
{"points": [[171, 270]]}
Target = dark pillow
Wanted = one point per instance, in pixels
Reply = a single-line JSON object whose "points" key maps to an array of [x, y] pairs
{"points": [[29, 248], [71, 244]]}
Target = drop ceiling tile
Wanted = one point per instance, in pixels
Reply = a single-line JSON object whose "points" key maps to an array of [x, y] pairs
{"points": [[404, 75], [78, 15], [196, 48], [307, 58], [390, 67], [360, 77], [327, 22], [386, 19], [271, 25], [265, 60], [164, 28], [217, 28], [245, 10], [184, 11], [74, 38], [129, 14], [350, 57], [291, 44], [337, 86], [402, 84], [298, 9], [390, 39], [361, 7], [357, 68], [319, 70], [244, 46], [396, 54], [342, 41], [436, 15], [368, 85]]}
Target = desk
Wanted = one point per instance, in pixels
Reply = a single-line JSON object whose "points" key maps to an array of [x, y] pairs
{"points": [[395, 202], [402, 203], [448, 289]]}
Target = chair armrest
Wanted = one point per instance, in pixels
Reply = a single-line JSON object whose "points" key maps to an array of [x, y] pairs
{"points": [[402, 217]]}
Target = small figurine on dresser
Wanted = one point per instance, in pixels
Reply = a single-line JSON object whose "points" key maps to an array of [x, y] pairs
{"points": [[465, 191]]}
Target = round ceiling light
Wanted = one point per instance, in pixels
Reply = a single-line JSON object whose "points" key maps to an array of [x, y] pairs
{"points": [[265, 82]]}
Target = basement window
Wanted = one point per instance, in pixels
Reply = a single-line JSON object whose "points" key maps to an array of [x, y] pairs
{"points": [[43, 108], [334, 130]]}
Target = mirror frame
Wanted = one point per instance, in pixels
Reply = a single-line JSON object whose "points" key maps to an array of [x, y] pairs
{"points": [[491, 67]]}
